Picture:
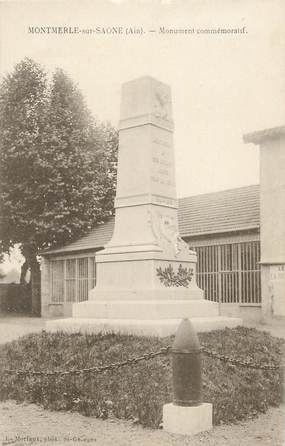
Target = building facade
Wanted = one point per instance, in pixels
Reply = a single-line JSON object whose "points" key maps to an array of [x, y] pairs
{"points": [[271, 143], [223, 228]]}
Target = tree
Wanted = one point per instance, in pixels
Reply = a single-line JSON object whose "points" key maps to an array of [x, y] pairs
{"points": [[58, 167], [2, 274]]}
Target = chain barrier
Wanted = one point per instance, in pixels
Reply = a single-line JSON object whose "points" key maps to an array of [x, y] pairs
{"points": [[95, 370], [147, 356], [240, 362]]}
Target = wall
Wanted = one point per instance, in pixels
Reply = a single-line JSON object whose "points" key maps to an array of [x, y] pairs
{"points": [[55, 309], [272, 214], [246, 313], [272, 201], [15, 298]]}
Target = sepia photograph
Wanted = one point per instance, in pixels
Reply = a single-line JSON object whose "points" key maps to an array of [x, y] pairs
{"points": [[142, 222]]}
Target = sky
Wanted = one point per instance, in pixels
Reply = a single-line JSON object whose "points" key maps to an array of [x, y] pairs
{"points": [[223, 85]]}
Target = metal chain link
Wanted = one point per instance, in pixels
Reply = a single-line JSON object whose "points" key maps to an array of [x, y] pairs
{"points": [[163, 351], [240, 362], [95, 370]]}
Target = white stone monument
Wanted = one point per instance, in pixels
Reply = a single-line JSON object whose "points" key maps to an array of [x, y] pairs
{"points": [[132, 292]]}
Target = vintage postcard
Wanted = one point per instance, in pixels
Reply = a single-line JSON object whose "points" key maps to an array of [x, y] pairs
{"points": [[142, 183]]}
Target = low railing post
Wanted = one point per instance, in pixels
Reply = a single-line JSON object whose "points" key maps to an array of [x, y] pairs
{"points": [[187, 414], [186, 366]]}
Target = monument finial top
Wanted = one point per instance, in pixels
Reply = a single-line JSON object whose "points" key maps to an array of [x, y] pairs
{"points": [[146, 100], [145, 77]]}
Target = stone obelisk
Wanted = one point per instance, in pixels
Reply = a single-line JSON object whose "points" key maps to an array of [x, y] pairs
{"points": [[146, 238], [146, 227], [133, 292]]}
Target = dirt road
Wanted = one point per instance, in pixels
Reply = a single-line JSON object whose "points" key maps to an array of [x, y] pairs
{"points": [[27, 424]]}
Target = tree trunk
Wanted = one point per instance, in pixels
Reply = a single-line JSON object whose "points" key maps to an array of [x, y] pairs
{"points": [[24, 269], [29, 251], [36, 287]]}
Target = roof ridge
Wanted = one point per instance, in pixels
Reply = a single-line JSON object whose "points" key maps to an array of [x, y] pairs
{"points": [[234, 189]]}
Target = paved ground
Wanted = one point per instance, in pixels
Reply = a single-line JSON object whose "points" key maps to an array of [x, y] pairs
{"points": [[11, 327], [27, 424]]}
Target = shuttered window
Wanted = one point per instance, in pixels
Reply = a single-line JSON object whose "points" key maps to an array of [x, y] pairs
{"points": [[57, 281], [230, 273], [72, 278]]}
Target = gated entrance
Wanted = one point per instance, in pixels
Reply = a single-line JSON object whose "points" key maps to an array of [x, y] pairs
{"points": [[230, 273]]}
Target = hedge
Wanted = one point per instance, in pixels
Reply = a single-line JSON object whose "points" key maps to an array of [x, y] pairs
{"points": [[138, 392]]}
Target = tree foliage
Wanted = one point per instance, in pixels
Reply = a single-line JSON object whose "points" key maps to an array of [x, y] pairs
{"points": [[58, 167]]}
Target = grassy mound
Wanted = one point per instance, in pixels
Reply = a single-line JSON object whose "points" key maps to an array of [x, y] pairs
{"points": [[138, 391]]}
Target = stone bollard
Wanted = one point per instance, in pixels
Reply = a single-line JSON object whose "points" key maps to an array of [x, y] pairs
{"points": [[187, 414]]}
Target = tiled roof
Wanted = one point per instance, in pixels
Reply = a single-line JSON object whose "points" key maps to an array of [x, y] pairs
{"points": [[218, 212], [96, 238]]}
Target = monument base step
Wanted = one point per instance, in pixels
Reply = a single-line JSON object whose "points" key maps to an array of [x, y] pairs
{"points": [[159, 327], [166, 293], [145, 309]]}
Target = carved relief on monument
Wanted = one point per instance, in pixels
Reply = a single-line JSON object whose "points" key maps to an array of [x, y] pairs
{"points": [[162, 169], [165, 231], [162, 103]]}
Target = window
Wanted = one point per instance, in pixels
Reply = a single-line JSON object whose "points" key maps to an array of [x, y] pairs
{"points": [[82, 279], [71, 279], [92, 274], [57, 282], [230, 273]]}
